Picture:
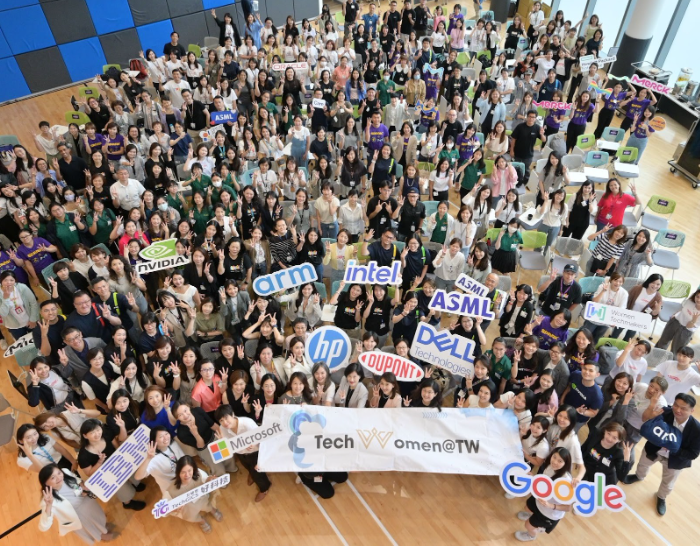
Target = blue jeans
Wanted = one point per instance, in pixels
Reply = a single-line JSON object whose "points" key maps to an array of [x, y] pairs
{"points": [[551, 232], [319, 271], [640, 144], [329, 231]]}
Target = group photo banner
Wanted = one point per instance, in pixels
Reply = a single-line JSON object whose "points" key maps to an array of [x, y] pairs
{"points": [[452, 441]]}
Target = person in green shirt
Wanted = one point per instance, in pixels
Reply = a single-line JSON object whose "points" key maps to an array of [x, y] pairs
{"points": [[175, 199], [500, 363], [443, 223], [449, 152], [102, 223], [63, 231], [217, 186], [229, 179], [199, 181], [200, 214], [506, 246], [385, 87], [473, 170]]}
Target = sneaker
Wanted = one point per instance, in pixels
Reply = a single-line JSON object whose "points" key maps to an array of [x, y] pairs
{"points": [[509, 496], [218, 516], [631, 478], [660, 506], [135, 505], [524, 516], [524, 536]]}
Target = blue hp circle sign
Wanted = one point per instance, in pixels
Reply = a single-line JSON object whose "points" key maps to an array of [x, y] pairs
{"points": [[330, 345]]}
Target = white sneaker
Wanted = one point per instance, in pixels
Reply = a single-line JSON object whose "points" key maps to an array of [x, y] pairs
{"points": [[524, 516], [524, 536], [3, 344]]}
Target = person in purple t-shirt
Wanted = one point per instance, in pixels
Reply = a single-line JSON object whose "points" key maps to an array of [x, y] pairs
{"points": [[550, 330], [583, 109], [610, 104], [36, 254], [376, 133], [9, 262]]}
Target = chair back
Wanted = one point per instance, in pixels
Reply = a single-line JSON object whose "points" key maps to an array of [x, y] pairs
{"points": [[669, 238], [79, 118], [619, 344], [613, 134], [534, 239], [594, 158], [627, 154], [630, 282], [585, 141], [196, 49], [211, 42], [661, 205], [590, 284], [572, 162], [210, 350], [250, 347], [675, 289], [488, 167], [505, 283], [430, 207], [106, 67], [48, 273], [7, 428], [657, 356], [321, 289], [568, 246], [25, 355], [87, 92], [480, 137], [336, 285]]}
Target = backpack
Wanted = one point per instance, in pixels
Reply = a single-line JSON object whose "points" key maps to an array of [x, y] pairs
{"points": [[135, 65], [484, 60], [606, 358], [558, 145], [112, 72]]}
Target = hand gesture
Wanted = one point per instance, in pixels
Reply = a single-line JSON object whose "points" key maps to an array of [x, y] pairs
{"points": [[404, 252], [407, 401], [581, 410], [257, 407], [460, 401], [106, 312], [157, 369], [553, 274], [63, 357], [240, 352], [607, 228], [47, 495], [34, 377], [516, 355], [119, 421], [627, 450]]}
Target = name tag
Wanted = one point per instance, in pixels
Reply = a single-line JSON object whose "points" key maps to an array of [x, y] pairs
{"points": [[72, 228], [524, 313]]}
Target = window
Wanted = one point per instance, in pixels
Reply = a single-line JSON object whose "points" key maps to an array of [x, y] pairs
{"points": [[660, 30], [610, 15], [685, 44], [573, 10]]}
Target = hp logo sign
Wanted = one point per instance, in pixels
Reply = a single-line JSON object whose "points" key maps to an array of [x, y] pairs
{"points": [[330, 345]]}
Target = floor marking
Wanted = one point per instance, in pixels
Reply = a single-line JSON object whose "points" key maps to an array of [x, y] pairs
{"points": [[645, 522], [374, 516], [314, 497]]}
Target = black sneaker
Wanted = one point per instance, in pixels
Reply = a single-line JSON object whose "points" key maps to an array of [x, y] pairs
{"points": [[135, 505], [140, 487], [660, 506], [630, 479]]}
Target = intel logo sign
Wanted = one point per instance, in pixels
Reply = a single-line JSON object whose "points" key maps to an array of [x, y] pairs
{"points": [[331, 345]]}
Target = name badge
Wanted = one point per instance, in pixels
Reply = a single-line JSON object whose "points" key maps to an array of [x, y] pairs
{"points": [[72, 228], [555, 306], [524, 313]]}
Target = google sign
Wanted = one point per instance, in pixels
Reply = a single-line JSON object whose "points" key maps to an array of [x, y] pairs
{"points": [[586, 497]]}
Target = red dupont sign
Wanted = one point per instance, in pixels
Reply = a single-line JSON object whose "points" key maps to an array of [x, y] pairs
{"points": [[379, 362]]}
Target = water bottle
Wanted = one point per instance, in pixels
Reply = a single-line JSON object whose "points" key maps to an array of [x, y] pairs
{"points": [[255, 6]]}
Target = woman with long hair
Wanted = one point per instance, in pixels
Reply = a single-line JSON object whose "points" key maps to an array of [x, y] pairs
{"points": [[583, 208]]}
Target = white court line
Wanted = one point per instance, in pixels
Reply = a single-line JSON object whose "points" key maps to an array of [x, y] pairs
{"points": [[374, 516], [314, 497], [648, 525]]}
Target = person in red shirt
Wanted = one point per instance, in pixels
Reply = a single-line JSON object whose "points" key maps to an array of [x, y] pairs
{"points": [[611, 207]]}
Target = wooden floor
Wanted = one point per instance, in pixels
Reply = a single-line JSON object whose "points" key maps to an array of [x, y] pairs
{"points": [[380, 508]]}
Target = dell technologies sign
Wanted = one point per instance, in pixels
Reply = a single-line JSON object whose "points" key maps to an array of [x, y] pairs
{"points": [[444, 350], [331, 345]]}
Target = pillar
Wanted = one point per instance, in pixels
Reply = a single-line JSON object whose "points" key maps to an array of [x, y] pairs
{"points": [[500, 10], [638, 34]]}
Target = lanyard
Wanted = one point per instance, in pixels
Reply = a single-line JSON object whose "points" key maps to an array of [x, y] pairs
{"points": [[561, 288], [46, 453]]}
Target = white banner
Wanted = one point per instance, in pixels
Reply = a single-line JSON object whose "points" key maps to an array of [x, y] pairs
{"points": [[222, 450], [164, 507], [120, 465], [617, 316], [453, 441], [600, 61]]}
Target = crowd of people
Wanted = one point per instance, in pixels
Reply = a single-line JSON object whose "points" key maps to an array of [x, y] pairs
{"points": [[326, 163]]}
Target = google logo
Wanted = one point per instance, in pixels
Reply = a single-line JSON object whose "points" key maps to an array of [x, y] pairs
{"points": [[586, 497]]}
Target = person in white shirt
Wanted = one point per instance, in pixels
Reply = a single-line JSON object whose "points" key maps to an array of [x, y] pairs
{"points": [[449, 264], [505, 85], [161, 457], [680, 376], [174, 88], [36, 450], [232, 426], [126, 193], [647, 399], [544, 64], [611, 293], [682, 326], [631, 360]]}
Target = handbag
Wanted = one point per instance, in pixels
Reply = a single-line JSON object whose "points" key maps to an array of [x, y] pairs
{"points": [[662, 434]]}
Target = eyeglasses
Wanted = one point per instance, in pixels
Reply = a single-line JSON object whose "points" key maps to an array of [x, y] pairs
{"points": [[73, 339], [206, 369]]}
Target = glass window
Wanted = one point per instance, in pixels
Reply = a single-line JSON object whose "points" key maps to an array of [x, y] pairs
{"points": [[573, 10], [660, 30], [685, 43], [610, 15]]}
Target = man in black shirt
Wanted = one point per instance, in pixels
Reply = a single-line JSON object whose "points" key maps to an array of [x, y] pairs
{"points": [[562, 292], [384, 250], [422, 12], [382, 208], [47, 333], [173, 45], [451, 127], [196, 116], [456, 84], [350, 9], [523, 139], [412, 212], [197, 430], [408, 19], [392, 18], [72, 168], [91, 319]]}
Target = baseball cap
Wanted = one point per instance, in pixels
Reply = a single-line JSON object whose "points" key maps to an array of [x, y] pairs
{"points": [[412, 190], [529, 72], [570, 268]]}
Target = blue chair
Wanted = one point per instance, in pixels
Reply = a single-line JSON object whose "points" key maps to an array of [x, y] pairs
{"points": [[48, 273], [597, 159], [399, 171], [247, 178], [336, 285], [400, 245], [613, 134], [480, 136], [25, 355], [590, 284], [321, 288]]}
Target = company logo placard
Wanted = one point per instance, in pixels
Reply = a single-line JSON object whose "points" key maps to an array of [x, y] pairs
{"points": [[26, 340], [587, 61], [373, 273], [284, 66], [466, 283], [378, 362], [617, 316], [224, 449], [554, 105], [644, 82], [587, 497], [223, 117], [160, 255], [164, 507], [467, 305], [331, 345], [444, 350], [318, 103], [285, 279], [120, 465]]}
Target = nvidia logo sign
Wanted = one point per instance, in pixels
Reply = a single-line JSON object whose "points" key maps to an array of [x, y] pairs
{"points": [[160, 255]]}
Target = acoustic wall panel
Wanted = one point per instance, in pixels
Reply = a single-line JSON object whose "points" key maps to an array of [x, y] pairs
{"points": [[155, 35], [191, 28], [12, 4], [148, 11], [53, 71], [120, 46], [26, 29], [69, 20], [110, 15], [209, 4], [13, 83], [5, 50], [184, 7], [82, 57]]}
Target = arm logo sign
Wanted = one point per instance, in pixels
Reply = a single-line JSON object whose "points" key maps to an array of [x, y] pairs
{"points": [[160, 255]]}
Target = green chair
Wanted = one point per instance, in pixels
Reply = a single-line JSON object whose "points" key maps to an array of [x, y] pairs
{"points": [[426, 166], [484, 52], [488, 163], [361, 257], [105, 67], [79, 118], [492, 234], [531, 259], [627, 154], [340, 19], [87, 92], [659, 205], [586, 141], [463, 58], [194, 48], [541, 112], [619, 344]]}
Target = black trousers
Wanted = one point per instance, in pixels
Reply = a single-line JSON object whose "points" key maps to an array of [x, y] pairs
{"points": [[249, 461], [324, 487], [605, 117]]}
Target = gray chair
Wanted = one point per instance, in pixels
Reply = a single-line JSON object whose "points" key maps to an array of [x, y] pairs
{"points": [[504, 283], [250, 347], [630, 282], [559, 262], [389, 349], [210, 350], [573, 162], [7, 428], [568, 246], [657, 356], [211, 42]]}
